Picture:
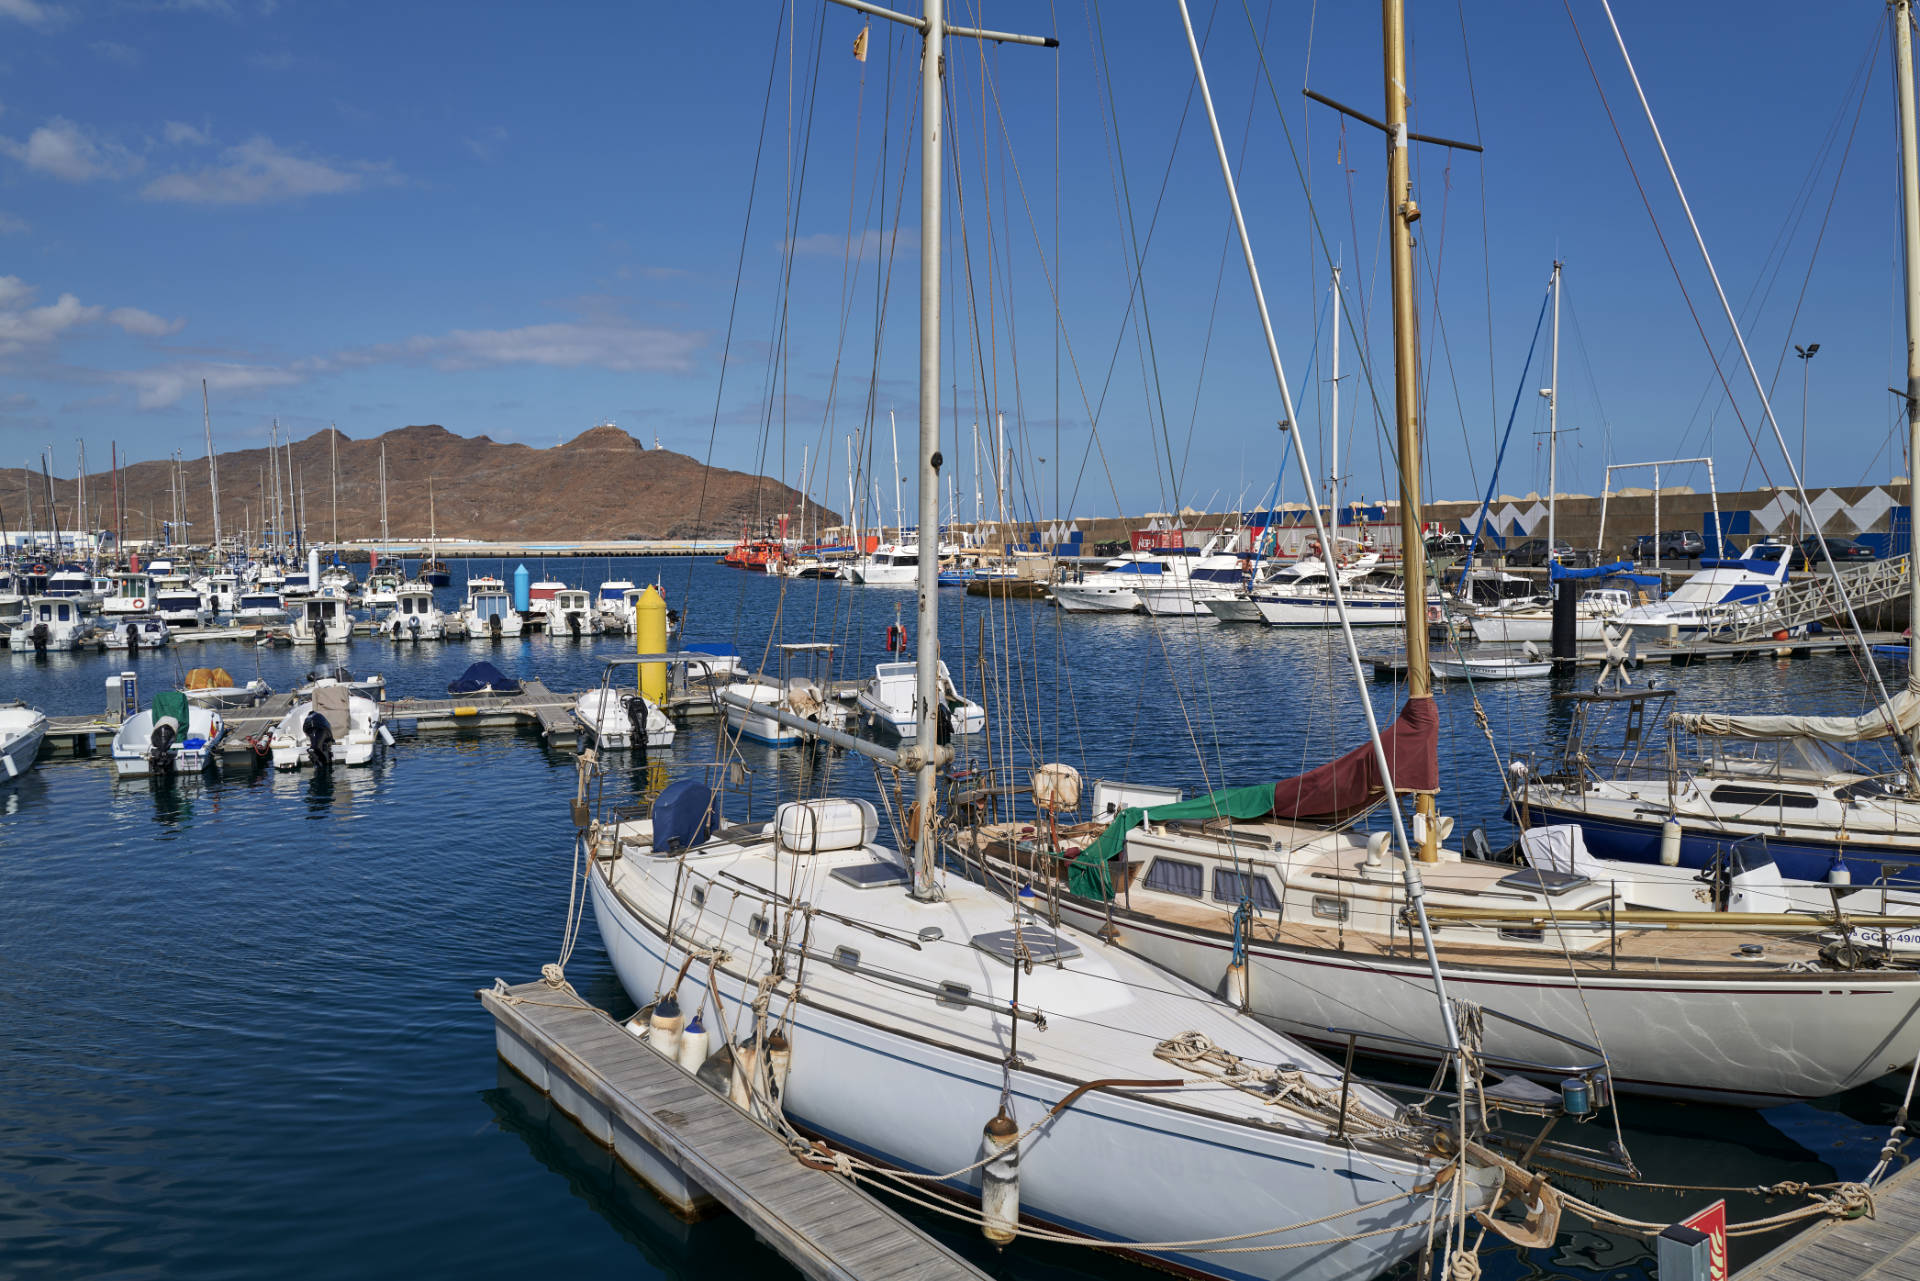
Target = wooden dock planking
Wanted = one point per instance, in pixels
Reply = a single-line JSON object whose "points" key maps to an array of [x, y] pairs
{"points": [[1885, 1247], [696, 1148]]}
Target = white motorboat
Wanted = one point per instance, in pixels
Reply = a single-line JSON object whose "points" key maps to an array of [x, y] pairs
{"points": [[569, 612], [1213, 575], [332, 725], [337, 577], [489, 613], [22, 730], [1532, 621], [415, 616], [170, 737], [1299, 596], [889, 565], [614, 605], [178, 604], [801, 689], [213, 687], [374, 686], [131, 633], [897, 1048], [260, 606], [132, 594], [888, 700], [322, 620], [73, 583], [1480, 666], [52, 623], [222, 593], [296, 585], [1116, 587], [616, 719], [1707, 599], [380, 591]]}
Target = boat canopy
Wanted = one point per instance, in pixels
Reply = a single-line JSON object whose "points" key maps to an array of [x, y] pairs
{"points": [[1340, 787], [1621, 568], [209, 678]]}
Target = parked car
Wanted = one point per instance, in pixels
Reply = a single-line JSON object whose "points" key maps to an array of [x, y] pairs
{"points": [[1675, 544], [1533, 553], [1439, 545], [1845, 551]]}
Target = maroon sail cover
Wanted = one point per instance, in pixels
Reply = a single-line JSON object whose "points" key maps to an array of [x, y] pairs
{"points": [[1353, 781]]}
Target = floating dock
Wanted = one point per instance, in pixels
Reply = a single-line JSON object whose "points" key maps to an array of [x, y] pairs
{"points": [[1882, 1247], [697, 1150]]}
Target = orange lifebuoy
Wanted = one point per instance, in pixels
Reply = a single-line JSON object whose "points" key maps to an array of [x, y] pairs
{"points": [[139, 603]]}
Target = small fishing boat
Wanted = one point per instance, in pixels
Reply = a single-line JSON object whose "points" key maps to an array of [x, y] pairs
{"points": [[170, 737], [333, 726], [261, 606], [132, 594], [22, 729], [888, 701], [213, 687], [178, 604], [614, 605], [366, 686], [483, 678], [380, 590], [323, 620], [52, 623], [415, 616], [569, 612], [134, 634], [490, 612], [616, 719], [1502, 667]]}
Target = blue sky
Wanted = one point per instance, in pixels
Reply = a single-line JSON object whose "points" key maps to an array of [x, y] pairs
{"points": [[520, 220]]}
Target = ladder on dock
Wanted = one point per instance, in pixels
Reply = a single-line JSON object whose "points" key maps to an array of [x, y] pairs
{"points": [[695, 1148], [1813, 599]]}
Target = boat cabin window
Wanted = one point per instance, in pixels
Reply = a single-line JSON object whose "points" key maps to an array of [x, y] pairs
{"points": [[699, 895], [757, 925], [1328, 908], [1171, 876], [952, 993], [846, 958], [1736, 794], [1231, 887]]}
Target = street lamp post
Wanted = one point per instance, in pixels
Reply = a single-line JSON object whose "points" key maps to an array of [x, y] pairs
{"points": [[1806, 355]]}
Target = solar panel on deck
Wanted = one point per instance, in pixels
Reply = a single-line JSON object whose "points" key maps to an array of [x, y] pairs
{"points": [[871, 876]]}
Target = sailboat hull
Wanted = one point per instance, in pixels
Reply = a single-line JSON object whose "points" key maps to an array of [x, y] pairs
{"points": [[1108, 1167], [1750, 1042]]}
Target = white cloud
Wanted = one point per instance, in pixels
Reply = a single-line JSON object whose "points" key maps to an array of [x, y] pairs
{"points": [[861, 243], [12, 225], [485, 145], [32, 12], [258, 171], [165, 385], [620, 347], [113, 51], [144, 324], [24, 327], [182, 134], [70, 151]]}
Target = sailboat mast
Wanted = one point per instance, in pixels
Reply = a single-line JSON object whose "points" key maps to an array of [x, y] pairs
{"points": [[333, 466], [213, 467], [899, 516], [933, 61], [1553, 439], [1333, 470], [1910, 209], [1406, 387]]}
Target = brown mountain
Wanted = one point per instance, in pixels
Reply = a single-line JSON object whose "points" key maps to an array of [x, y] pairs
{"points": [[601, 484]]}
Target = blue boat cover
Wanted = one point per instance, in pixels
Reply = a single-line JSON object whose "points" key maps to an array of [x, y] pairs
{"points": [[483, 677], [719, 649], [683, 815], [1622, 568]]}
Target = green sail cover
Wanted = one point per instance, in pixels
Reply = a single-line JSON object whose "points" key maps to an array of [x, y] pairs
{"points": [[1088, 876]]}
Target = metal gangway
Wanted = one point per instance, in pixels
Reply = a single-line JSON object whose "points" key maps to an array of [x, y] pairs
{"points": [[1813, 599]]}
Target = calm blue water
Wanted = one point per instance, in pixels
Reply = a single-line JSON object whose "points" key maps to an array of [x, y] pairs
{"points": [[238, 1036]]}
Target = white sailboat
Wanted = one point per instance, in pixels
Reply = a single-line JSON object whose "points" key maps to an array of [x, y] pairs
{"points": [[22, 730], [898, 1015]]}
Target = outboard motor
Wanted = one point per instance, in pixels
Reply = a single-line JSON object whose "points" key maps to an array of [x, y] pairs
{"points": [[573, 623], [942, 723], [637, 726], [319, 735], [133, 638], [413, 625], [40, 636], [493, 625], [160, 745]]}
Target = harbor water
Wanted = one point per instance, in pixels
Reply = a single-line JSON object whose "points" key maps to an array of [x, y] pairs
{"points": [[239, 1031]]}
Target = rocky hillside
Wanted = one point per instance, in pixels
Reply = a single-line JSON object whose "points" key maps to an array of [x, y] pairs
{"points": [[601, 484]]}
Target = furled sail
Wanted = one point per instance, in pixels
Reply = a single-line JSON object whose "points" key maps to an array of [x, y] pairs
{"points": [[1901, 713]]}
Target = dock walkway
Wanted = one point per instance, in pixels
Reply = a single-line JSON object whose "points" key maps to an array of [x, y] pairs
{"points": [[1885, 1247], [1389, 666], [696, 1149]]}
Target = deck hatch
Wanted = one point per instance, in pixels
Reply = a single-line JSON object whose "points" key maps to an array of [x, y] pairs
{"points": [[1044, 946], [871, 876]]}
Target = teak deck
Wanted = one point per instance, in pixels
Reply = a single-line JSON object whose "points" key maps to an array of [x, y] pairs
{"points": [[696, 1149], [1885, 1247]]}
